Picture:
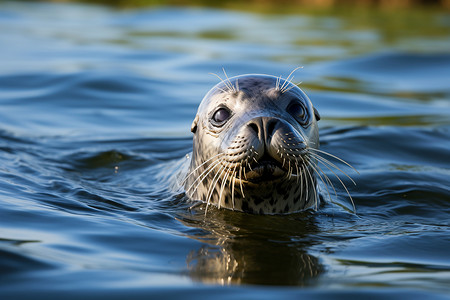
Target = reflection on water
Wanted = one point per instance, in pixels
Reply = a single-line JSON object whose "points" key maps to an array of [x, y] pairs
{"points": [[95, 109], [239, 246]]}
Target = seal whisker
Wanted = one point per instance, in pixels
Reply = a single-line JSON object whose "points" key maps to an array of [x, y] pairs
{"points": [[222, 90], [206, 161], [289, 173], [327, 179], [296, 168], [301, 182], [277, 83], [212, 186], [196, 188], [224, 82], [326, 161], [221, 80], [290, 88], [200, 178], [223, 185], [285, 88], [245, 174], [240, 181], [306, 185], [210, 167], [203, 175], [314, 189], [232, 187], [335, 157], [313, 166], [312, 184], [288, 79], [229, 82], [343, 185]]}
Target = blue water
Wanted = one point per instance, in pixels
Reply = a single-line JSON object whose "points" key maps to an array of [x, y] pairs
{"points": [[95, 111]]}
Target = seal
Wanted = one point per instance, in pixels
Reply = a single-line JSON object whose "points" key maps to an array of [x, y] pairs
{"points": [[255, 147]]}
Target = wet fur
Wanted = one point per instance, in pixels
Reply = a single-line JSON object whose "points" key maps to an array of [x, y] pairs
{"points": [[259, 127]]}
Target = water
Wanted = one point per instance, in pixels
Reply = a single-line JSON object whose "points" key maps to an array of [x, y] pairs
{"points": [[95, 109]]}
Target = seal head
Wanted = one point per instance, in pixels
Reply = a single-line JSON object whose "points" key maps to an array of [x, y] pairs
{"points": [[253, 137]]}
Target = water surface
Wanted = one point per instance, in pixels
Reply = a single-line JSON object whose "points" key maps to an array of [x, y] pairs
{"points": [[95, 109]]}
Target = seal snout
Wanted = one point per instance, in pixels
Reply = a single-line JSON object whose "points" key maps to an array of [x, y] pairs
{"points": [[278, 147], [263, 128]]}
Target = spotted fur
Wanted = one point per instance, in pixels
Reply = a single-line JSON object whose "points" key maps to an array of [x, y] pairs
{"points": [[260, 159]]}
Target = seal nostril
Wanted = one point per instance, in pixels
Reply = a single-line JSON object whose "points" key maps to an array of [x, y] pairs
{"points": [[254, 127], [271, 127]]}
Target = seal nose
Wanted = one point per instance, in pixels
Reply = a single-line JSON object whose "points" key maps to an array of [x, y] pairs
{"points": [[263, 127]]}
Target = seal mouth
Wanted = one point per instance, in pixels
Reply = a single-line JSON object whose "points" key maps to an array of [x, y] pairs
{"points": [[266, 169]]}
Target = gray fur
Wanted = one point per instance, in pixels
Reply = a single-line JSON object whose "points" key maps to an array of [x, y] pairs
{"points": [[227, 161]]}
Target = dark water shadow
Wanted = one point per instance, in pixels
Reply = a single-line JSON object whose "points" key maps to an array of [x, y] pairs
{"points": [[239, 248]]}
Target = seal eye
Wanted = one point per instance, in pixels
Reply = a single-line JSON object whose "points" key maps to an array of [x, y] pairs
{"points": [[221, 115], [297, 110]]}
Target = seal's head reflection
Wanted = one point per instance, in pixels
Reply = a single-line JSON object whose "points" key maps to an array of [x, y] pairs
{"points": [[239, 248]]}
